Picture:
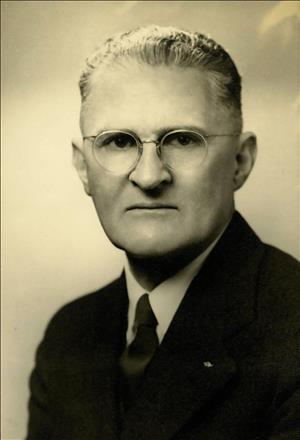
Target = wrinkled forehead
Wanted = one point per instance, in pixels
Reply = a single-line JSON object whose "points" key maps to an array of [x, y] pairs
{"points": [[125, 95]]}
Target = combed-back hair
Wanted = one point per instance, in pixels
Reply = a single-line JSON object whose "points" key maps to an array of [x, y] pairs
{"points": [[169, 46]]}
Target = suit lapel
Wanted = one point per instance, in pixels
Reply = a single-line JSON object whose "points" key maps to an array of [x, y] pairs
{"points": [[192, 366]]}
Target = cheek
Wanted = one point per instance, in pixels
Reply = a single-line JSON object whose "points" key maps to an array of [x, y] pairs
{"points": [[211, 189], [103, 189], [220, 174]]}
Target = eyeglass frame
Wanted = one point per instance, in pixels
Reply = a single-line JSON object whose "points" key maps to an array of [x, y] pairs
{"points": [[158, 143]]}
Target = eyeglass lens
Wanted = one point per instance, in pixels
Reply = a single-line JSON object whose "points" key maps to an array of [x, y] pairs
{"points": [[120, 151]]}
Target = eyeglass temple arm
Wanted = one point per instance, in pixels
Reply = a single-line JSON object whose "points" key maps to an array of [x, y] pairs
{"points": [[220, 135], [89, 137]]}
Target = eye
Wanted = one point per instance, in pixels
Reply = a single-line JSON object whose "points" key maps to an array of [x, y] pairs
{"points": [[120, 141], [178, 139], [117, 141], [184, 139]]}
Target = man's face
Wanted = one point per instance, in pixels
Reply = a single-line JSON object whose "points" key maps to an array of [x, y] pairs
{"points": [[154, 211]]}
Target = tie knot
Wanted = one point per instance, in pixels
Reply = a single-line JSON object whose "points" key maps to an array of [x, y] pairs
{"points": [[144, 314]]}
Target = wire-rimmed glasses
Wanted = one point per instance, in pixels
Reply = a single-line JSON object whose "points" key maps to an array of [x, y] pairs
{"points": [[120, 150]]}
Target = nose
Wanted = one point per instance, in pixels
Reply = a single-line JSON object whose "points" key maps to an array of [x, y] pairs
{"points": [[150, 172]]}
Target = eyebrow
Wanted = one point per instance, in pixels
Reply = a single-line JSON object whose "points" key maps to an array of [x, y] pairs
{"points": [[163, 130]]}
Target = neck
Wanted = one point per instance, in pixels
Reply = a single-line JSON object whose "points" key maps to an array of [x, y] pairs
{"points": [[150, 272]]}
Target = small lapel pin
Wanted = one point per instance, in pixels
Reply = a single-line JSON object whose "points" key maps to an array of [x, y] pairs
{"points": [[208, 364]]}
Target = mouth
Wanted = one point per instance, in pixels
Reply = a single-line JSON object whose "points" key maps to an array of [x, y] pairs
{"points": [[151, 207]]}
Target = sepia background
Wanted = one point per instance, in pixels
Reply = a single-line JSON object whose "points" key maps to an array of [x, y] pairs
{"points": [[53, 248]]}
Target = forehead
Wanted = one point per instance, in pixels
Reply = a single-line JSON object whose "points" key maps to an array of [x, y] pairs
{"points": [[147, 97]]}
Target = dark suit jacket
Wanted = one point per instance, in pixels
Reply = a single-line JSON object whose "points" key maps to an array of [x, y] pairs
{"points": [[227, 369]]}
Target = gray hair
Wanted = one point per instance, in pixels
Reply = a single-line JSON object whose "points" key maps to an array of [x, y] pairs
{"points": [[170, 46]]}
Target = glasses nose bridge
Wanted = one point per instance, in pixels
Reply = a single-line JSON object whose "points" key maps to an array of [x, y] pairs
{"points": [[150, 141], [157, 144]]}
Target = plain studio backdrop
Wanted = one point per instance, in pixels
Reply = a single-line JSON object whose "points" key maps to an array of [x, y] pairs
{"points": [[54, 249]]}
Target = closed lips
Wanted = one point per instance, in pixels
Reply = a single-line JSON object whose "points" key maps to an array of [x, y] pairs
{"points": [[151, 206]]}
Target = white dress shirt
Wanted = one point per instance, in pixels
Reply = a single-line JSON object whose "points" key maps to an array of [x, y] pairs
{"points": [[164, 298]]}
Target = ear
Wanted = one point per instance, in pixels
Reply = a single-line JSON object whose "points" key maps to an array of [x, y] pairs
{"points": [[244, 159], [80, 164]]}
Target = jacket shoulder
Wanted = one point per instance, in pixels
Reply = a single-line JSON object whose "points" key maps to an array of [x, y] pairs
{"points": [[278, 300], [86, 313], [88, 300], [280, 270]]}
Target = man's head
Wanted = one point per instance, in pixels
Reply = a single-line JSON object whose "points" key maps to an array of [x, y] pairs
{"points": [[149, 82]]}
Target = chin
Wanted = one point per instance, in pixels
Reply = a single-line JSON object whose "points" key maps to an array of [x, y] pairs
{"points": [[159, 248], [142, 249]]}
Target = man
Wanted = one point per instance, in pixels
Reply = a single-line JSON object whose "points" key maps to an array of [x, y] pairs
{"points": [[199, 338]]}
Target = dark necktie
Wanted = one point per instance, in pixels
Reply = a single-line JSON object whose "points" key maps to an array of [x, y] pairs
{"points": [[139, 353]]}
